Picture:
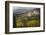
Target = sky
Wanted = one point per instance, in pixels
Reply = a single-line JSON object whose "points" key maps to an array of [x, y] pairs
{"points": [[18, 10]]}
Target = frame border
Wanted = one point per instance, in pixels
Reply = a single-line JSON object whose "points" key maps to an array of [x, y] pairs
{"points": [[7, 16]]}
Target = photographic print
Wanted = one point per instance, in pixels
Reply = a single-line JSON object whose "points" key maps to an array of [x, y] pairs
{"points": [[24, 17]]}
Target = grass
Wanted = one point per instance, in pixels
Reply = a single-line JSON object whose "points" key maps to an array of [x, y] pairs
{"points": [[27, 22]]}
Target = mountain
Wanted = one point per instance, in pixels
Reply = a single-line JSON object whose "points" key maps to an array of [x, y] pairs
{"points": [[27, 12]]}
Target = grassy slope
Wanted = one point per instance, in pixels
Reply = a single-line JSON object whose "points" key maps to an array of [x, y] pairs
{"points": [[27, 22]]}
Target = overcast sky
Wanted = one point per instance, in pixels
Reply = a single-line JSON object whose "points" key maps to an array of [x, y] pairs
{"points": [[18, 10]]}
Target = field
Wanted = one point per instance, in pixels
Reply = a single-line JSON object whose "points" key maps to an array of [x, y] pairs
{"points": [[25, 21]]}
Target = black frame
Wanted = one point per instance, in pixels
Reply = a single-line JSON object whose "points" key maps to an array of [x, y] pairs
{"points": [[7, 16]]}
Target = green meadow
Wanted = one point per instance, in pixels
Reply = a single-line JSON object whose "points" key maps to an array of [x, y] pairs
{"points": [[25, 21]]}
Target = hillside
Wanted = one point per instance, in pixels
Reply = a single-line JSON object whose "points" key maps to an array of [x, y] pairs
{"points": [[28, 18]]}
